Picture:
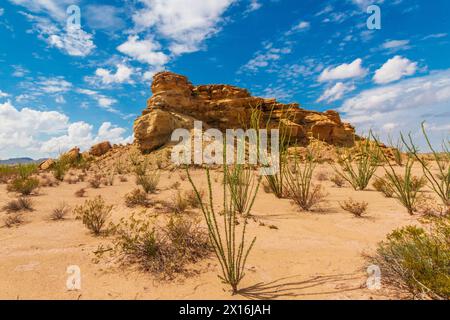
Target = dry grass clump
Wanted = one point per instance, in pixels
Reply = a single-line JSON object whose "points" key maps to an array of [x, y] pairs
{"points": [[243, 187], [123, 179], [135, 198], [179, 203], [358, 209], [322, 176], [96, 181], [20, 204], [417, 260], [94, 214], [80, 193], [338, 180], [145, 177], [163, 251], [109, 180], [192, 199], [381, 185], [60, 212], [14, 219], [24, 186]]}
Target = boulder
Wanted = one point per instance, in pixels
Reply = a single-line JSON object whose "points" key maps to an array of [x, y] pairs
{"points": [[228, 107], [100, 149], [47, 164]]}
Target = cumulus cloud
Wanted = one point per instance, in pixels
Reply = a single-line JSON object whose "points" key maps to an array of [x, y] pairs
{"points": [[394, 69], [122, 74], [3, 94], [145, 51], [29, 132], [406, 104], [71, 41], [336, 92], [103, 101], [253, 6], [263, 59], [55, 8], [343, 71], [186, 24]]}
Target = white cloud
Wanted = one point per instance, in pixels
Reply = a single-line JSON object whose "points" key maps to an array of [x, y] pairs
{"points": [[263, 59], [302, 25], [19, 71], [406, 103], [394, 69], [435, 36], [393, 44], [72, 41], [186, 24], [2, 11], [344, 71], [122, 74], [35, 133], [55, 8], [145, 51], [104, 17], [336, 92], [102, 100], [253, 6], [53, 85], [363, 4], [3, 94]]}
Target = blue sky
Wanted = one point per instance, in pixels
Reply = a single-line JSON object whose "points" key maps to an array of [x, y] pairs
{"points": [[61, 87]]}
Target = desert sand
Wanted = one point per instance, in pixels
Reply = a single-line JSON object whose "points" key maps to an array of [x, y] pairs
{"points": [[297, 255]]}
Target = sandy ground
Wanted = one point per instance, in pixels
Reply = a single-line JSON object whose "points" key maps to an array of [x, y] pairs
{"points": [[317, 255]]}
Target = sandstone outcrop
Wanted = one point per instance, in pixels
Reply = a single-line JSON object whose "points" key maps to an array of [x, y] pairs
{"points": [[100, 149], [176, 103]]}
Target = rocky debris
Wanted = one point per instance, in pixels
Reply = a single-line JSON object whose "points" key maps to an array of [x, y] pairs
{"points": [[100, 149], [176, 103], [72, 155]]}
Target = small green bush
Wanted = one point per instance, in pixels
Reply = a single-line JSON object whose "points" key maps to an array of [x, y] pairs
{"points": [[94, 214], [25, 186]]}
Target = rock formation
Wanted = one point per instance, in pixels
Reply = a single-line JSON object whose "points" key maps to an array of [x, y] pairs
{"points": [[100, 149], [176, 103]]}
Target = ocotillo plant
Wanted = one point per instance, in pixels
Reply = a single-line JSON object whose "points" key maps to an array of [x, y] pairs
{"points": [[439, 182], [230, 249]]}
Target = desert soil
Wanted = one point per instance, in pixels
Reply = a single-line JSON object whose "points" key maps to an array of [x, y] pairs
{"points": [[297, 255]]}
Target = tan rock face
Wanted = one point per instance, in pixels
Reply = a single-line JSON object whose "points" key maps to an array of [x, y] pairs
{"points": [[100, 149], [176, 103], [47, 164]]}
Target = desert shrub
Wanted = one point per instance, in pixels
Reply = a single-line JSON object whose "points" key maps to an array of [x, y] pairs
{"points": [[60, 168], [60, 212], [80, 193], [188, 238], [110, 179], [163, 252], [243, 187], [230, 249], [417, 260], [440, 181], [96, 181], [397, 149], [299, 182], [322, 176], [7, 173], [358, 209], [338, 180], [12, 220], [145, 177], [192, 199], [94, 214], [358, 166], [25, 186], [136, 198], [123, 179], [178, 203], [383, 186], [20, 204], [120, 167]]}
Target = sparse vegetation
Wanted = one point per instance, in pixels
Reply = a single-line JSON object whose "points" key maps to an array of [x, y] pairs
{"points": [[243, 186], [163, 251], [440, 181], [382, 185], [96, 181], [193, 200], [358, 166], [60, 212], [14, 219], [135, 198], [338, 180], [179, 203], [80, 193], [358, 209], [230, 249], [322, 176], [94, 214], [24, 186], [20, 204], [145, 177], [417, 260], [299, 182]]}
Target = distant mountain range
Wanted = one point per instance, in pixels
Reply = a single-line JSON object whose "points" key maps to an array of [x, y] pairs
{"points": [[20, 161]]}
